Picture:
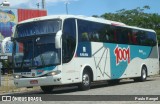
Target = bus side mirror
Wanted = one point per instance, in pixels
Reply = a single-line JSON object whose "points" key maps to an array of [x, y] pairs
{"points": [[58, 39], [12, 39]]}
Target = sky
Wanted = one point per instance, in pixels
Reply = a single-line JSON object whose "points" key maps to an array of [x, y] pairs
{"points": [[87, 7]]}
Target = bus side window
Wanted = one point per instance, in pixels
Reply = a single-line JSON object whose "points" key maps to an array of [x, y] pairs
{"points": [[111, 37], [113, 34], [85, 36], [151, 39], [107, 36], [142, 38], [134, 37], [95, 37], [130, 37]]}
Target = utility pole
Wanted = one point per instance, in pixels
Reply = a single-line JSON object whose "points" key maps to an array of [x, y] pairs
{"points": [[66, 3], [37, 5], [43, 4]]}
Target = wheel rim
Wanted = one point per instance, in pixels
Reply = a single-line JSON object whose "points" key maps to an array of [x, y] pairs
{"points": [[86, 80], [144, 75]]}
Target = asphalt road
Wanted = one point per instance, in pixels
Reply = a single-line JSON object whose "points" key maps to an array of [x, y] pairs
{"points": [[125, 87]]}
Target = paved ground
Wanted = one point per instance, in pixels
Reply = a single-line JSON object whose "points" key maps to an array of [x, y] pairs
{"points": [[6, 83], [7, 86], [126, 87], [140, 88]]}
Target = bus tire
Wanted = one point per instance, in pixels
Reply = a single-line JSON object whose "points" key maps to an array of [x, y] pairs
{"points": [[143, 76], [86, 81], [47, 89]]}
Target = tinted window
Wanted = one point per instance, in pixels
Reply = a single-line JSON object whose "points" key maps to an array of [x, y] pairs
{"points": [[91, 31], [38, 28], [98, 32], [68, 39], [121, 35], [151, 38]]}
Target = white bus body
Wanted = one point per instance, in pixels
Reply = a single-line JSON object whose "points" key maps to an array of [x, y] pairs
{"points": [[85, 49]]}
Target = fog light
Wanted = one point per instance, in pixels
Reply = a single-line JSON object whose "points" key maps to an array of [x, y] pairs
{"points": [[54, 73], [17, 76]]}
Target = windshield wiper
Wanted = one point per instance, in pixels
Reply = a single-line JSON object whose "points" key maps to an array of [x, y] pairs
{"points": [[22, 63]]}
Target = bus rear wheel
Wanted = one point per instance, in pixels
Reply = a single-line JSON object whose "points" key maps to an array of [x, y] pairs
{"points": [[143, 76], [86, 81], [47, 89]]}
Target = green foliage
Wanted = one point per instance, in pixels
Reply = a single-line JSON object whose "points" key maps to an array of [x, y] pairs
{"points": [[7, 64], [137, 17]]}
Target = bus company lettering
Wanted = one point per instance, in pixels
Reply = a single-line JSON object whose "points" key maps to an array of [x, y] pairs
{"points": [[122, 54], [84, 52]]}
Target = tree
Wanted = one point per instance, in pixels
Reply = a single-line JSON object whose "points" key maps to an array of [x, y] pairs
{"points": [[136, 17]]}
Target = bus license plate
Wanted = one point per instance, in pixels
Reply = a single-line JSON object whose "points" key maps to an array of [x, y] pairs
{"points": [[34, 82]]}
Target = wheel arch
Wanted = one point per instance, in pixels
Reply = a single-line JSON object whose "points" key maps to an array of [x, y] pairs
{"points": [[144, 65], [89, 69]]}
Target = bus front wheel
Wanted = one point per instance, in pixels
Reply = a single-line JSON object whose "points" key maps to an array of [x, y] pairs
{"points": [[86, 81], [47, 89]]}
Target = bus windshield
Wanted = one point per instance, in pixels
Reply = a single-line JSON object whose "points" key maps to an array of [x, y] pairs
{"points": [[39, 51], [37, 28], [34, 44]]}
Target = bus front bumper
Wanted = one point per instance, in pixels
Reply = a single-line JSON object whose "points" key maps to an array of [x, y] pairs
{"points": [[38, 81]]}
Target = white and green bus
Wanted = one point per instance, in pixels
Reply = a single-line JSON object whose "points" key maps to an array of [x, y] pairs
{"points": [[66, 49]]}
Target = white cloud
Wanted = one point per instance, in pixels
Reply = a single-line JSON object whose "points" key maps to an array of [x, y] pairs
{"points": [[31, 3], [16, 2], [60, 0]]}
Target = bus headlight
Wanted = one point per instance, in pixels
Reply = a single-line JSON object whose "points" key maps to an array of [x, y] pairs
{"points": [[17, 76], [54, 73]]}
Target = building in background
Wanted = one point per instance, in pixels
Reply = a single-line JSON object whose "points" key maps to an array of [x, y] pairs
{"points": [[9, 17]]}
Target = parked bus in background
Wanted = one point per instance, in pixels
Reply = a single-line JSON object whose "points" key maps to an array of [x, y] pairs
{"points": [[66, 49]]}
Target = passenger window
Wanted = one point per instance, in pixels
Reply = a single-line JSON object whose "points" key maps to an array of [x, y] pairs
{"points": [[91, 31], [99, 32], [151, 38], [83, 34]]}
